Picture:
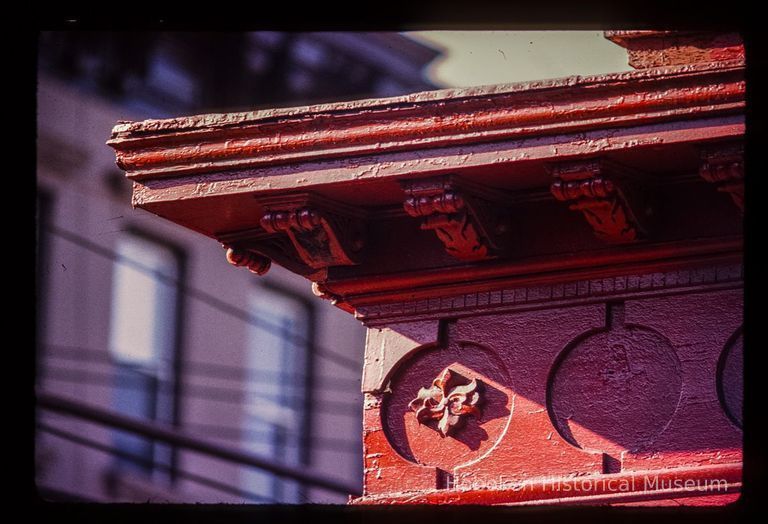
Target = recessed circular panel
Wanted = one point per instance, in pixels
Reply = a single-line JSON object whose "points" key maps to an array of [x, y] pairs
{"points": [[423, 441], [615, 390], [730, 379]]}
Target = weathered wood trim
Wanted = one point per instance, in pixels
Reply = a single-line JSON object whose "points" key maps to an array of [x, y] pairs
{"points": [[209, 143]]}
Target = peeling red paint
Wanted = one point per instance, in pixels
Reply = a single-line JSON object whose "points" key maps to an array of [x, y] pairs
{"points": [[603, 101], [606, 344]]}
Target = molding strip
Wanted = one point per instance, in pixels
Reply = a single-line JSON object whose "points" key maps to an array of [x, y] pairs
{"points": [[728, 275]]}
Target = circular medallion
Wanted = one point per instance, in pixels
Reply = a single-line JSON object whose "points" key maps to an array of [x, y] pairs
{"points": [[447, 406], [730, 378], [615, 390]]}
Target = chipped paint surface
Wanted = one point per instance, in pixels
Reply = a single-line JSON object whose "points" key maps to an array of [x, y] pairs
{"points": [[159, 148], [592, 362], [371, 106], [399, 164]]}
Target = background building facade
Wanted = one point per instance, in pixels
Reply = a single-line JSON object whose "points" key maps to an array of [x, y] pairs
{"points": [[144, 318]]}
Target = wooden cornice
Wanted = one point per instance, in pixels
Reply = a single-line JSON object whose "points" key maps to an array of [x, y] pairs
{"points": [[427, 195], [157, 149]]}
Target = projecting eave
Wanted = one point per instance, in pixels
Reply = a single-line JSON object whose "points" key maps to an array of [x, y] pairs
{"points": [[210, 143], [570, 173]]}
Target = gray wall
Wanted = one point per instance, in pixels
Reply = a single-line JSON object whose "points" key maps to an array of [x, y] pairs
{"points": [[77, 169]]}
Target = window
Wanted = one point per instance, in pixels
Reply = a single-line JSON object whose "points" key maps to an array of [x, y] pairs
{"points": [[142, 343], [276, 418]]}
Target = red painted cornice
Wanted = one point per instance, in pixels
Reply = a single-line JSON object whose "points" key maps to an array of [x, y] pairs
{"points": [[155, 149], [220, 174]]}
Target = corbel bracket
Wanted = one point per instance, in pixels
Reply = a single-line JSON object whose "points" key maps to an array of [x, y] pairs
{"points": [[469, 219], [324, 233], [305, 233], [723, 165], [608, 200], [256, 263]]}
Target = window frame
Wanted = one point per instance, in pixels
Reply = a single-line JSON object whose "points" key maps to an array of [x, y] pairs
{"points": [[181, 260], [309, 309]]}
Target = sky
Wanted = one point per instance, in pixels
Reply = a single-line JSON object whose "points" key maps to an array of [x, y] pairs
{"points": [[473, 58]]}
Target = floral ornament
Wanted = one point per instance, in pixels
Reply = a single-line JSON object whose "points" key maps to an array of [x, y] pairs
{"points": [[447, 402]]}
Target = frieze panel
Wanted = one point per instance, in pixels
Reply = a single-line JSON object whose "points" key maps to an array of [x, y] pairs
{"points": [[555, 294]]}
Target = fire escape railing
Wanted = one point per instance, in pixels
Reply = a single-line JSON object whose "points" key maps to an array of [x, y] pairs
{"points": [[184, 440]]}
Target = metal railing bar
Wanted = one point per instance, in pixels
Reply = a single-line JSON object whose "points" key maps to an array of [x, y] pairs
{"points": [[239, 433], [225, 371], [212, 393], [234, 433], [205, 481], [183, 439]]}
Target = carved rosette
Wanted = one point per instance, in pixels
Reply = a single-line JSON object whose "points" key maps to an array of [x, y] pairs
{"points": [[446, 401], [467, 219], [593, 188], [723, 165]]}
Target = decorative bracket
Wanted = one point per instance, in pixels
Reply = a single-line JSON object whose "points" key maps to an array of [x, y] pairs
{"points": [[324, 233], [723, 165], [255, 262], [467, 218], [320, 290], [594, 188], [447, 401], [305, 233]]}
